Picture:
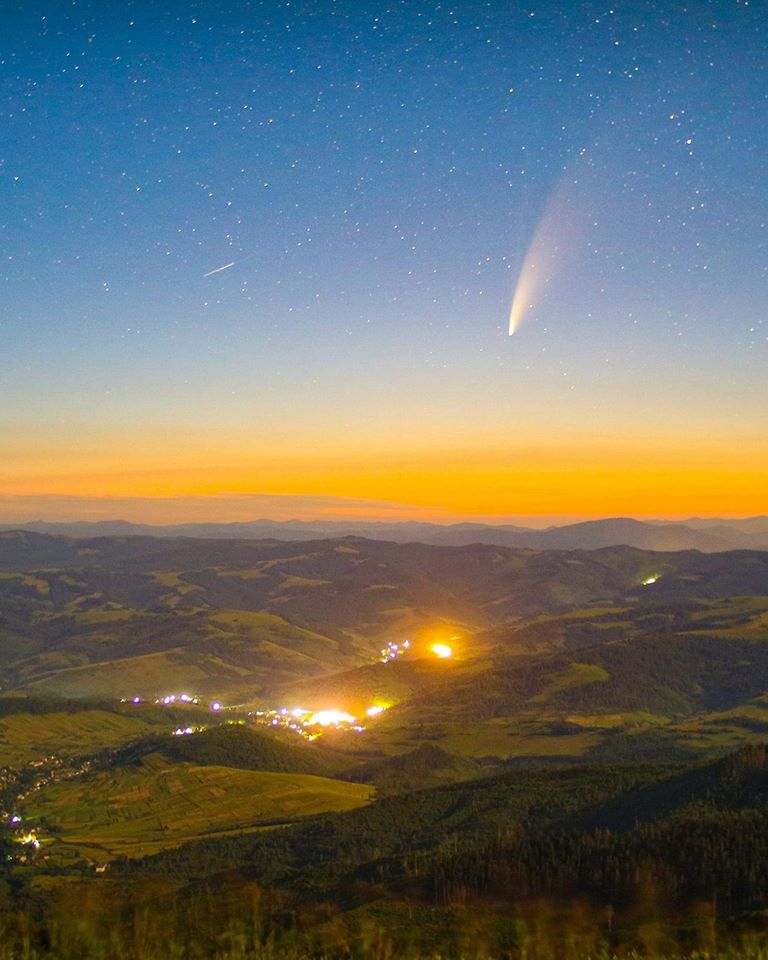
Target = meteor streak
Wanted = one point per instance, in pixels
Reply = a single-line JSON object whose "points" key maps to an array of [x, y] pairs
{"points": [[219, 269]]}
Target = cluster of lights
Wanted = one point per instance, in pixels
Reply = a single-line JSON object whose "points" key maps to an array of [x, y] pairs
{"points": [[186, 731], [172, 698], [167, 700], [393, 650], [330, 718], [29, 839], [310, 724], [25, 837], [652, 579]]}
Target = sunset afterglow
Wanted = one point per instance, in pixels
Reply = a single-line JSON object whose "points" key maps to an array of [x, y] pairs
{"points": [[209, 321]]}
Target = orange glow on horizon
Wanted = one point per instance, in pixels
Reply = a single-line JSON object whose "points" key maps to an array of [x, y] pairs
{"points": [[577, 477]]}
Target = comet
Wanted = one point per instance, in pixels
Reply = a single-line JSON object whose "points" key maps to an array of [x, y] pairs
{"points": [[533, 277], [537, 268], [219, 269], [564, 218]]}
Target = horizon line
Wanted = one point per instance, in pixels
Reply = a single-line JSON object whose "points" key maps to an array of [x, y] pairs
{"points": [[510, 520]]}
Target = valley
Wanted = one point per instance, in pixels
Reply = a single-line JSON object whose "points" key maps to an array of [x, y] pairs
{"points": [[361, 723]]}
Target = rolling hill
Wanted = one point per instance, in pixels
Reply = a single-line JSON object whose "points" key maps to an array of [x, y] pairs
{"points": [[560, 655], [149, 806], [573, 758]]}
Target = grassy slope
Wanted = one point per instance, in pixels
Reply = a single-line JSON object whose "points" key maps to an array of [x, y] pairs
{"points": [[147, 675], [27, 737], [245, 748], [141, 809]]}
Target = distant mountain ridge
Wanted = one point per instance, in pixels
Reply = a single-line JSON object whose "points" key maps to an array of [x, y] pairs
{"points": [[708, 535]]}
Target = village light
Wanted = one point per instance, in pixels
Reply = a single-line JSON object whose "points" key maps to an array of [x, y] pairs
{"points": [[330, 718], [441, 650]]}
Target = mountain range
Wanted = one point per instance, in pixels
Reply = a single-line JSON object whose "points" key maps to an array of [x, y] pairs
{"points": [[710, 535]]}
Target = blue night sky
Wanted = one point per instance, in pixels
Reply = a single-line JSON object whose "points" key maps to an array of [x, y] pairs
{"points": [[375, 174]]}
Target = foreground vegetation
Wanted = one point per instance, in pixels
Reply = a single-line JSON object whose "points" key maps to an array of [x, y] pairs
{"points": [[245, 922], [592, 862]]}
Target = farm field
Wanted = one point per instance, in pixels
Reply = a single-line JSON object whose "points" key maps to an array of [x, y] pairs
{"points": [[27, 737], [156, 805]]}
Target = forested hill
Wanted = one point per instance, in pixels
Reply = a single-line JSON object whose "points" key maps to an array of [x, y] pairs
{"points": [[603, 834]]}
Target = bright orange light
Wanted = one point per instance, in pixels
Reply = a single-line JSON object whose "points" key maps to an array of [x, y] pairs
{"points": [[330, 718], [441, 650]]}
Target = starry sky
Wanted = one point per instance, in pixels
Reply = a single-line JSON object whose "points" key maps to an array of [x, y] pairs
{"points": [[374, 178]]}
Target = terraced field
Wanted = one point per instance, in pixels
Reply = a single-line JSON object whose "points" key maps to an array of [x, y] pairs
{"points": [[137, 810], [149, 675], [26, 737]]}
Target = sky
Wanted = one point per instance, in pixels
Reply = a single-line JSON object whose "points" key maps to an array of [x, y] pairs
{"points": [[262, 255]]}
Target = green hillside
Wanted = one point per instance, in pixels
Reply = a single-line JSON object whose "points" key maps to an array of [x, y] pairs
{"points": [[616, 798], [563, 656], [641, 682], [26, 737], [553, 772], [245, 748], [140, 809]]}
